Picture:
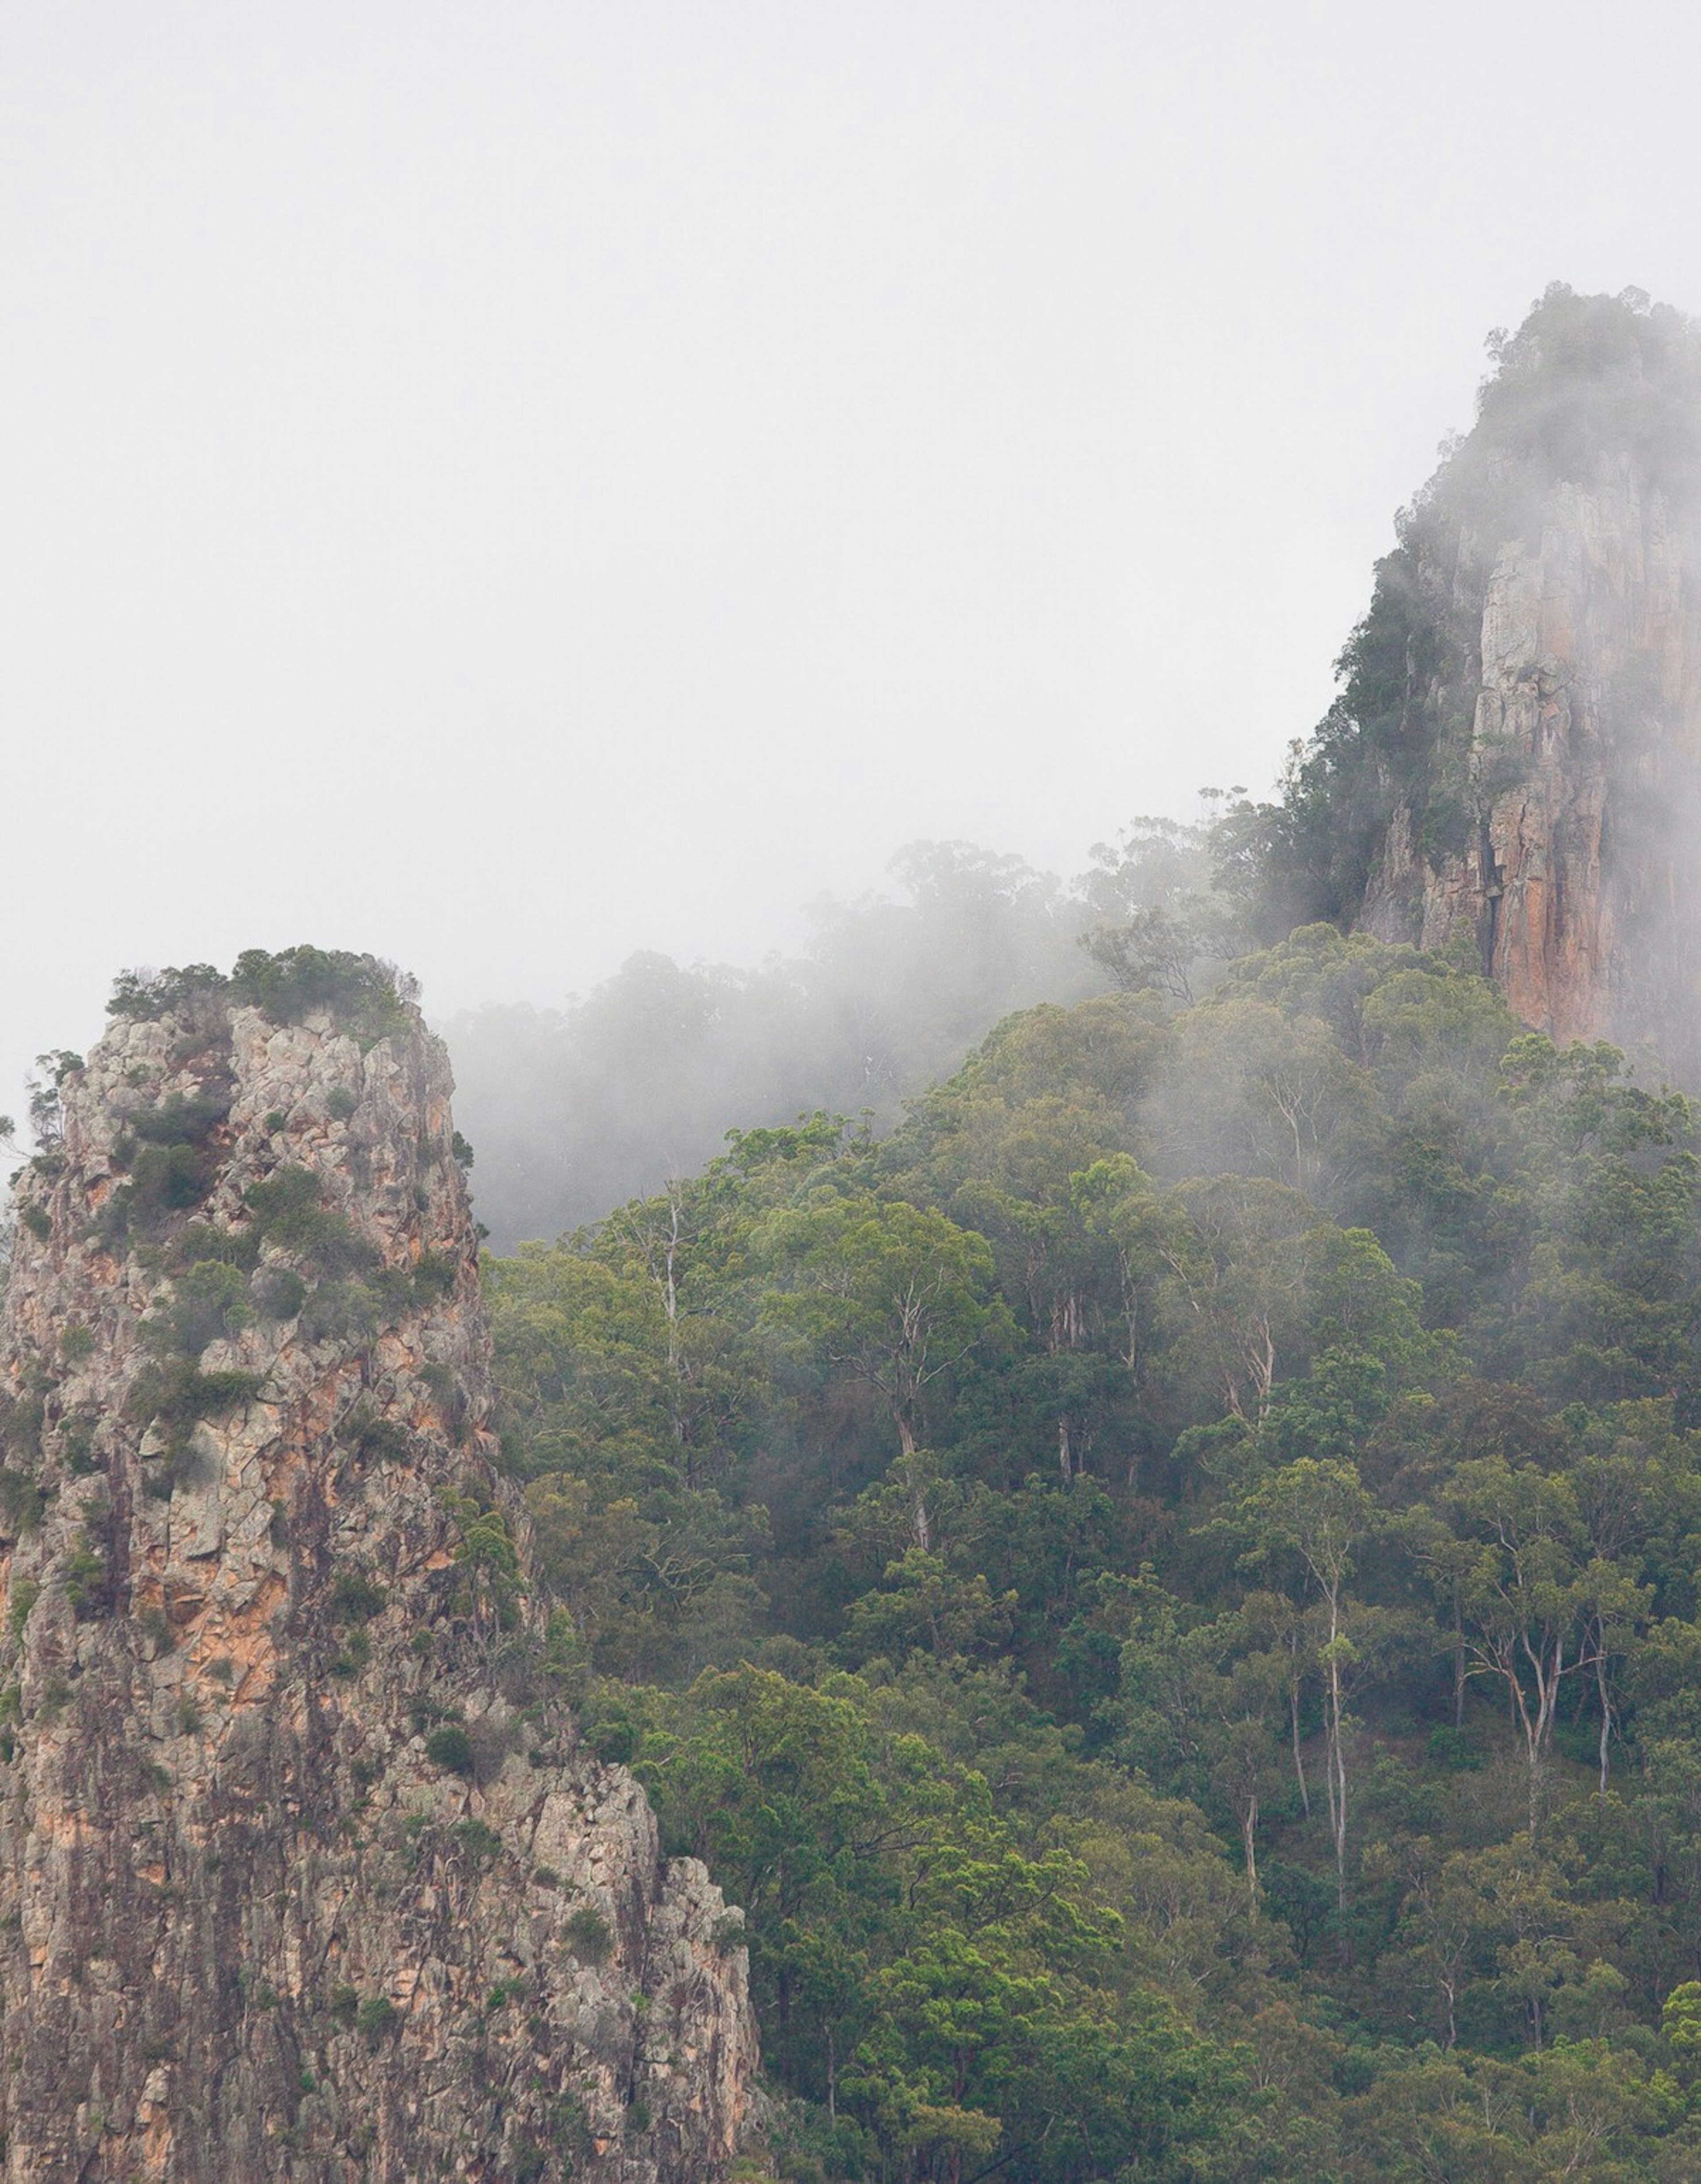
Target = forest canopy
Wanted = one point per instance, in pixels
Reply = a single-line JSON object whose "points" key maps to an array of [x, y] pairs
{"points": [[1165, 1586]]}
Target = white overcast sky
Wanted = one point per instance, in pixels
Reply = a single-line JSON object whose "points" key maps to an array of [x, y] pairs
{"points": [[507, 484]]}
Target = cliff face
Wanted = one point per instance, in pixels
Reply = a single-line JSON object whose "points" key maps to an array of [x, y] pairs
{"points": [[302, 1874], [1575, 876]]}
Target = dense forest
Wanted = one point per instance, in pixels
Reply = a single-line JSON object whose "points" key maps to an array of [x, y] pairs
{"points": [[1166, 1586]]}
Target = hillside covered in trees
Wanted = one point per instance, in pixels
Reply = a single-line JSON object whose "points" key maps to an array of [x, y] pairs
{"points": [[1166, 1583], [1167, 1586]]}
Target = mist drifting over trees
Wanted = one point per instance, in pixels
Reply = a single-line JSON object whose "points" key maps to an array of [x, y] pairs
{"points": [[573, 1111]]}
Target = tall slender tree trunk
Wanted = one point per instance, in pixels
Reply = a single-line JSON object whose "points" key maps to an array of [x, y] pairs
{"points": [[1249, 1835], [1335, 1760], [921, 1523], [1604, 1691], [1298, 1757]]}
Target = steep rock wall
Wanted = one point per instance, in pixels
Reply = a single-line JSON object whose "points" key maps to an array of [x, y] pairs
{"points": [[1577, 879], [253, 1559]]}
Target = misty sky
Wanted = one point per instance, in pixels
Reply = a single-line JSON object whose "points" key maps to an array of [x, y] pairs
{"points": [[506, 485]]}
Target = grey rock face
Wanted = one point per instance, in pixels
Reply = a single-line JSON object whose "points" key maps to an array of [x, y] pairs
{"points": [[301, 1873]]}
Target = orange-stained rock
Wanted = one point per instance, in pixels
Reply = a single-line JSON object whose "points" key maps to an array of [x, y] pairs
{"points": [[1580, 885]]}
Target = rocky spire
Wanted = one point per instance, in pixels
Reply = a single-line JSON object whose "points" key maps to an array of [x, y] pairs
{"points": [[303, 1873], [1575, 873], [1512, 768]]}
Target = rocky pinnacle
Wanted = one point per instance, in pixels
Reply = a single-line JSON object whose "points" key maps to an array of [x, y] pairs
{"points": [[303, 1872]]}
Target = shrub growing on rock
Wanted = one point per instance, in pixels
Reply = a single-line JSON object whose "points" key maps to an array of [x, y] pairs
{"points": [[289, 1211], [376, 2016], [278, 1292], [588, 1935], [210, 1301], [450, 1747]]}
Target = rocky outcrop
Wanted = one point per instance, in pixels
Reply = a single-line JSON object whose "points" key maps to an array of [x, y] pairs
{"points": [[1576, 875], [303, 1873]]}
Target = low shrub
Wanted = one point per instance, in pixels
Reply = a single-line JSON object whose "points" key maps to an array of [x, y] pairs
{"points": [[182, 1120], [278, 1292], [176, 1394], [21, 1501], [357, 1598], [21, 1420], [148, 994], [77, 1444], [371, 1439], [232, 1247], [289, 1211], [164, 1180], [450, 1747], [481, 1843], [339, 1312], [364, 996], [287, 1206], [434, 1276], [174, 1168], [85, 1579], [210, 1301], [588, 1935], [376, 2017]]}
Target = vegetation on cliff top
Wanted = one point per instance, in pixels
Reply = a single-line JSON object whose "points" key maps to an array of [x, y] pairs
{"points": [[364, 996]]}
